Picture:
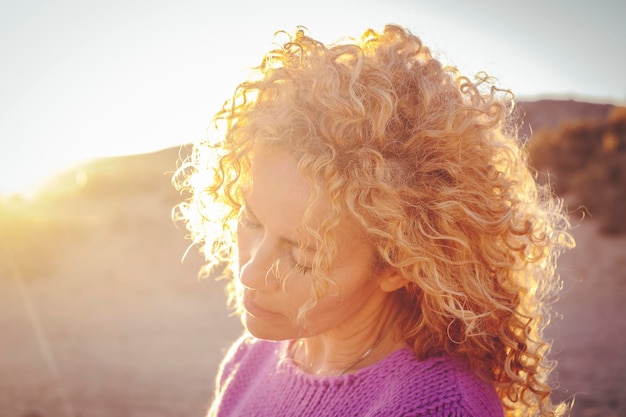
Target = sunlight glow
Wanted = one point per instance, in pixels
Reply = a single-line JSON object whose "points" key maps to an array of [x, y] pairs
{"points": [[27, 182], [134, 77]]}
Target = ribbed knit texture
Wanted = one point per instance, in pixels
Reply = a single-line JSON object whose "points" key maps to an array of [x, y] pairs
{"points": [[258, 379]]}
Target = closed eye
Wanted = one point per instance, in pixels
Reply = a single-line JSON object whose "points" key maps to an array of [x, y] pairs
{"points": [[303, 269], [297, 266]]}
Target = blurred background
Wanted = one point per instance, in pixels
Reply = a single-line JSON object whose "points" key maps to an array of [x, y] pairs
{"points": [[99, 316]]}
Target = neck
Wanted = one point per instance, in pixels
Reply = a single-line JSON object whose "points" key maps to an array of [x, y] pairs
{"points": [[351, 346]]}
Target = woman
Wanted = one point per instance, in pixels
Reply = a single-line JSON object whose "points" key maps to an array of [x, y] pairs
{"points": [[390, 252]]}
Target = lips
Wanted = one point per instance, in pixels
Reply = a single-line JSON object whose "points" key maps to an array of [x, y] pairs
{"points": [[254, 310]]}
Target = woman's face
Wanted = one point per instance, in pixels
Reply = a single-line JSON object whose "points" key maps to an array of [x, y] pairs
{"points": [[269, 232]]}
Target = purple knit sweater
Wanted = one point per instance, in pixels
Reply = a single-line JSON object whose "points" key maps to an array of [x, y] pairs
{"points": [[257, 379]]}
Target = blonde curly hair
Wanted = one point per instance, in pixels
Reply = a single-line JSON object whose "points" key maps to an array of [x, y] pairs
{"points": [[429, 164]]}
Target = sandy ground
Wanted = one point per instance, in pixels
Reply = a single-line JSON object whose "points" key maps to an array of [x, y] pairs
{"points": [[99, 317], [590, 337]]}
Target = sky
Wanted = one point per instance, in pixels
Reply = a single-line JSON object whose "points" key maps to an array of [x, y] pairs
{"points": [[81, 79]]}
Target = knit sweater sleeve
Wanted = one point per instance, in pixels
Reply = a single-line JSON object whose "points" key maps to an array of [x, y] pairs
{"points": [[476, 401]]}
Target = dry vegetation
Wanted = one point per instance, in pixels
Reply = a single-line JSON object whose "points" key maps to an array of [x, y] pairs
{"points": [[586, 162]]}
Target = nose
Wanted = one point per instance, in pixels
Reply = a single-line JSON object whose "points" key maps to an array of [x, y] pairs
{"points": [[257, 268]]}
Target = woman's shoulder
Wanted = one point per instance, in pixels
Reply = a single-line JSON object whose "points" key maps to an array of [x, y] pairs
{"points": [[248, 344], [246, 348], [438, 384], [241, 347]]}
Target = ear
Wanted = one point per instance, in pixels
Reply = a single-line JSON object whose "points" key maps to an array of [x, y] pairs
{"points": [[390, 280]]}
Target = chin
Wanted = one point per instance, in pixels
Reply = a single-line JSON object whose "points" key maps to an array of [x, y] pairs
{"points": [[262, 329]]}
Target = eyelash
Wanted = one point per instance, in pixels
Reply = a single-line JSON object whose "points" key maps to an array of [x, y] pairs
{"points": [[304, 270], [247, 223]]}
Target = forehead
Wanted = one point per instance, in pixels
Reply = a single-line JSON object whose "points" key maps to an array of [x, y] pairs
{"points": [[274, 173], [280, 196]]}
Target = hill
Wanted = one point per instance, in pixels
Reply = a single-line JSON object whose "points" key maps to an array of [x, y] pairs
{"points": [[549, 114], [152, 171], [99, 316]]}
